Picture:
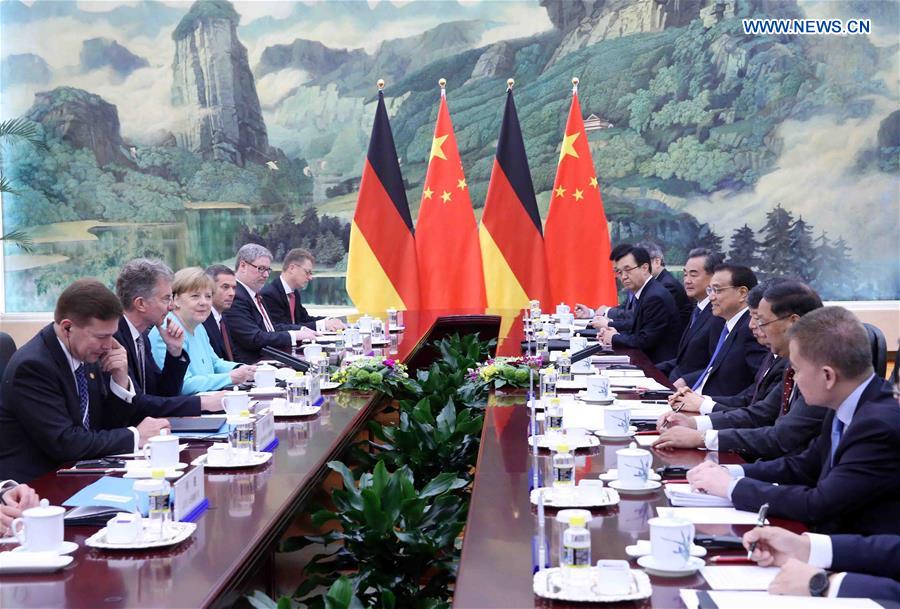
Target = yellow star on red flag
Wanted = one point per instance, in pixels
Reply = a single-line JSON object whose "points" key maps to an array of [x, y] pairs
{"points": [[436, 150]]}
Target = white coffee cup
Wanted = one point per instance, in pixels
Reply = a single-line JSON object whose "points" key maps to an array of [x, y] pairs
{"points": [[562, 309], [616, 420], [597, 386], [566, 319], [577, 343], [40, 529], [365, 324], [124, 527], [236, 401], [163, 451], [265, 376], [218, 455], [633, 465], [312, 351], [671, 540], [613, 576]]}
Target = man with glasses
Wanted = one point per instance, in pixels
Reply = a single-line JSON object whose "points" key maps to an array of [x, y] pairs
{"points": [[144, 288], [777, 424], [250, 325], [66, 394], [282, 297], [735, 355], [654, 329]]}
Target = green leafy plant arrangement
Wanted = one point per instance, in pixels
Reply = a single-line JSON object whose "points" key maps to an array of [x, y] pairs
{"points": [[501, 373], [376, 373], [394, 544]]}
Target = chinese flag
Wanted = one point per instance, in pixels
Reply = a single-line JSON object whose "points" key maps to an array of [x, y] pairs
{"points": [[512, 245], [576, 236], [450, 274], [381, 265]]}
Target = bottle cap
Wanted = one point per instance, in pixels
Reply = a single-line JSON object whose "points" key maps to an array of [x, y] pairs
{"points": [[554, 401], [245, 414], [576, 521], [562, 448], [158, 473]]}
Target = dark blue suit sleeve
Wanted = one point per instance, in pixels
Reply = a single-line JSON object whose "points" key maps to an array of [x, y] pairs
{"points": [[245, 332], [874, 555], [857, 585]]}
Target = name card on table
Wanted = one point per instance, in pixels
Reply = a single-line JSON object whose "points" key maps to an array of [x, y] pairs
{"points": [[190, 495], [264, 431]]}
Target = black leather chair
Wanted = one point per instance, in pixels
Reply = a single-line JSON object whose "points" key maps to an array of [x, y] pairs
{"points": [[7, 348], [879, 349]]}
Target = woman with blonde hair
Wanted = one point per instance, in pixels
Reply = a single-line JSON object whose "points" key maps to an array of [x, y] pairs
{"points": [[192, 290]]}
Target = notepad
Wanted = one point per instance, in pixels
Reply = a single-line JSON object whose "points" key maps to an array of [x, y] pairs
{"points": [[754, 600], [707, 515], [739, 577], [681, 495], [645, 441]]}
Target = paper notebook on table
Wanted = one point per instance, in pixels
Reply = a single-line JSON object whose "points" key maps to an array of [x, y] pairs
{"points": [[681, 495], [707, 515], [755, 600], [739, 577], [99, 501]]}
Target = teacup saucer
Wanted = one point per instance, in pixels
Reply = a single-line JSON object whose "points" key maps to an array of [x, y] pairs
{"points": [[584, 396], [649, 487], [642, 548], [601, 433], [613, 474], [66, 547], [650, 565]]}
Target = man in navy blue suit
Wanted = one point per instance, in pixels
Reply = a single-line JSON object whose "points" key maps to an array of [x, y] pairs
{"points": [[223, 297], [735, 355], [862, 567], [663, 276], [145, 289], [249, 323], [655, 326], [848, 479], [66, 394], [282, 297], [693, 348]]}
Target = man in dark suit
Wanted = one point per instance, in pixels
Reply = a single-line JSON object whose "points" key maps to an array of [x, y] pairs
{"points": [[735, 353], [655, 328], [622, 312], [848, 479], [693, 348], [777, 423], [282, 297], [249, 323], [144, 288], [223, 297], [863, 567], [66, 394], [662, 275]]}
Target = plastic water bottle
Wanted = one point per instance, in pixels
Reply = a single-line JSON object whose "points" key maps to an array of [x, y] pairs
{"points": [[548, 382], [553, 420], [564, 366], [576, 563], [241, 437], [563, 468], [159, 504], [541, 342]]}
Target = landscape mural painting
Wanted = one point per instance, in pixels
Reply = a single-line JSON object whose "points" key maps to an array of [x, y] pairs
{"points": [[181, 130]]}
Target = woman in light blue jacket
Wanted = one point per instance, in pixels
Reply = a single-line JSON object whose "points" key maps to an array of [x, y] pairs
{"points": [[192, 289]]}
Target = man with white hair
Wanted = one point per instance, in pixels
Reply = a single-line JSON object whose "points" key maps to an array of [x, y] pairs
{"points": [[250, 326]]}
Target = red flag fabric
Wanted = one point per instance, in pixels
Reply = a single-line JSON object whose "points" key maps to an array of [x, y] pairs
{"points": [[576, 236], [450, 274]]}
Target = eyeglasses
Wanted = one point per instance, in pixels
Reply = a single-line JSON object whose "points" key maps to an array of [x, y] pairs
{"points": [[763, 325], [711, 290], [625, 271], [309, 272], [262, 270]]}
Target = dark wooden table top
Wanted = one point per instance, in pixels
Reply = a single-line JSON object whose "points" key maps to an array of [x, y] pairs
{"points": [[249, 510], [497, 560]]}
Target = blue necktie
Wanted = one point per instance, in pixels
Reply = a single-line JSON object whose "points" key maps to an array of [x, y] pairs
{"points": [[837, 429], [694, 315], [712, 360], [83, 396]]}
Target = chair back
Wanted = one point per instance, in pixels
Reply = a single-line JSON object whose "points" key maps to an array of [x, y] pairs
{"points": [[879, 349], [7, 348]]}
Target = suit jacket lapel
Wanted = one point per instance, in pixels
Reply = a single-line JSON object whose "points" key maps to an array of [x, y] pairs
{"points": [[59, 357], [691, 331], [241, 292], [869, 393], [729, 341]]}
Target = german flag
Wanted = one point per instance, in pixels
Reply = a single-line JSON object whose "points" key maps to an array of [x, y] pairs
{"points": [[381, 267], [512, 244]]}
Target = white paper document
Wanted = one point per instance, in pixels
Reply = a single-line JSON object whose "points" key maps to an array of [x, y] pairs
{"points": [[646, 441], [739, 577], [755, 600], [681, 495], [635, 382], [706, 515]]}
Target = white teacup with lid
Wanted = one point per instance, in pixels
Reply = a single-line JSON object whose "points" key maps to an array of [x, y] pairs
{"points": [[40, 529], [235, 401], [633, 465], [163, 450], [264, 376]]}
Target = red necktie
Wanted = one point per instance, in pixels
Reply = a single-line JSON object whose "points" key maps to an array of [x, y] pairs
{"points": [[787, 389], [292, 303], [262, 311], [224, 330]]}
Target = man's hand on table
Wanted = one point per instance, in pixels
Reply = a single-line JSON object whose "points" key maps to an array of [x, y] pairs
{"points": [[679, 437], [667, 420], [775, 546], [710, 478]]}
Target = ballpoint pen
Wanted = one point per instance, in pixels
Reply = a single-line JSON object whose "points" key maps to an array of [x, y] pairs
{"points": [[760, 521]]}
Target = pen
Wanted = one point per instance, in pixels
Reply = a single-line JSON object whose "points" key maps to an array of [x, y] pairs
{"points": [[730, 560], [90, 470], [760, 521]]}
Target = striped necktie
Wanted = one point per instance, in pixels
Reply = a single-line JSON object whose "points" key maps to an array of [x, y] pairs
{"points": [[83, 396]]}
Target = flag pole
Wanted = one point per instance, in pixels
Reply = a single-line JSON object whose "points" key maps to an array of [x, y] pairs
{"points": [[510, 83], [380, 84], [442, 83], [575, 85]]}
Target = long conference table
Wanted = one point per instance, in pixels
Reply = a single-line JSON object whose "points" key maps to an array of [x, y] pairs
{"points": [[232, 550]]}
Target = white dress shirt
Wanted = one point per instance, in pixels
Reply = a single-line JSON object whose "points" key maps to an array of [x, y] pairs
{"points": [[295, 334]]}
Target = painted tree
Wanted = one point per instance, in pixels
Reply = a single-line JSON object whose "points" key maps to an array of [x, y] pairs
{"points": [[803, 250], [17, 131], [776, 259], [835, 267], [744, 248]]}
